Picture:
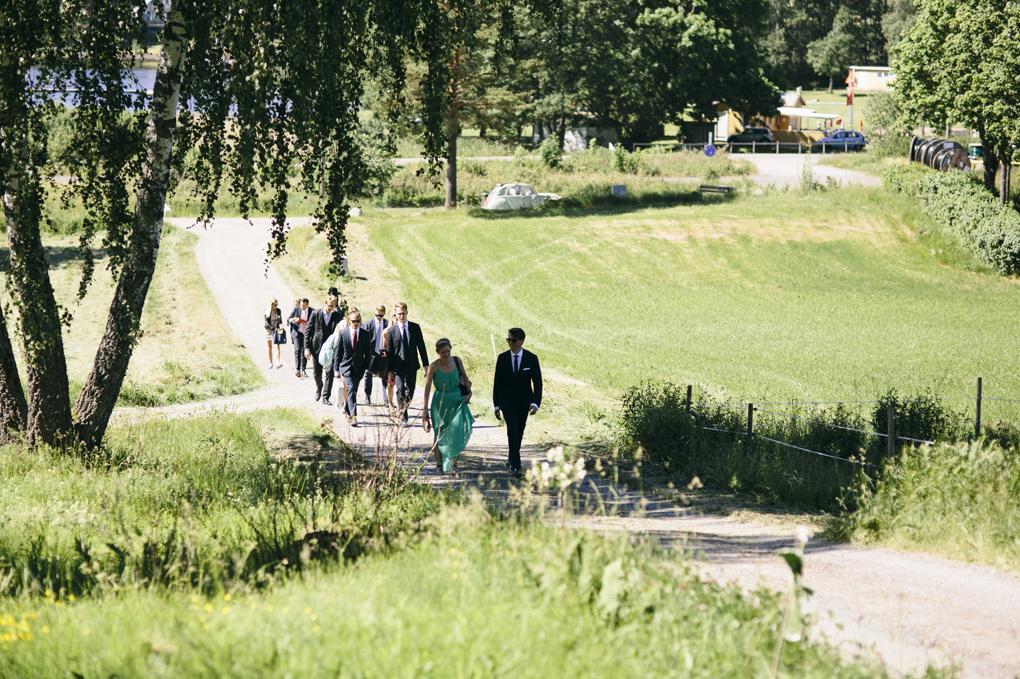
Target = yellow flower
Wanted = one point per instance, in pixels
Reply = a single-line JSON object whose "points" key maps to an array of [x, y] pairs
{"points": [[308, 610], [227, 597], [208, 608], [226, 610], [314, 618], [45, 629], [316, 629]]}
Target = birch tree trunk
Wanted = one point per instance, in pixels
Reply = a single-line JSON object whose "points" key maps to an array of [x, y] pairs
{"points": [[13, 407], [49, 406], [102, 387]]}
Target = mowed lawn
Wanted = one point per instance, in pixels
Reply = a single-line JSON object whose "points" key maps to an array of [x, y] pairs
{"points": [[784, 296]]}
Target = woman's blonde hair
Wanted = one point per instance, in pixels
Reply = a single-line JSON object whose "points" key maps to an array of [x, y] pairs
{"points": [[269, 309]]}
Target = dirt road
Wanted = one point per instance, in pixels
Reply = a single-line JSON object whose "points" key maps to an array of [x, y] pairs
{"points": [[909, 610]]}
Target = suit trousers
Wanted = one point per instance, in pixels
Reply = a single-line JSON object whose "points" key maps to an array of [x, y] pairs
{"points": [[369, 379], [299, 351], [403, 390], [351, 382], [323, 378], [516, 418]]}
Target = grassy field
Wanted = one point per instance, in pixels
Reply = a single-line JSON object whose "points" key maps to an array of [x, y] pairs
{"points": [[785, 296], [186, 352]]}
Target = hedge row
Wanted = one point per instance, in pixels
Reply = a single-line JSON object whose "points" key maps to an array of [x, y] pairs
{"points": [[961, 205]]}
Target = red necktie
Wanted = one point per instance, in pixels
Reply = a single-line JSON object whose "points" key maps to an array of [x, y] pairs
{"points": [[354, 336]]}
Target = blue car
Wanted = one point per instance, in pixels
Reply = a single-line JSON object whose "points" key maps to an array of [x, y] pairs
{"points": [[841, 140]]}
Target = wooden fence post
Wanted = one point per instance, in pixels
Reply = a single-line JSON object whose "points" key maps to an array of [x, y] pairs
{"points": [[892, 432], [750, 426], [977, 417]]}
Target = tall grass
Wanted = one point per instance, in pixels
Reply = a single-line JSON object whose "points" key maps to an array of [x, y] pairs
{"points": [[961, 500], [479, 595], [198, 504]]}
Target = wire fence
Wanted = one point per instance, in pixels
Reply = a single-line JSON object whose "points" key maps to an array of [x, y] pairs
{"points": [[890, 435]]}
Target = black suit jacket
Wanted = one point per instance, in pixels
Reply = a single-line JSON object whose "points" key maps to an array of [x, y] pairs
{"points": [[404, 359], [376, 328], [520, 389], [348, 360], [319, 330]]}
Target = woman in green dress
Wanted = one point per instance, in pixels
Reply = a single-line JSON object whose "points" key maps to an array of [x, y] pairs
{"points": [[449, 414]]}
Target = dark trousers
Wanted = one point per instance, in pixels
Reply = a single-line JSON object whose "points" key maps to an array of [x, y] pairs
{"points": [[351, 382], [369, 379], [323, 378], [403, 390], [299, 351], [516, 418]]}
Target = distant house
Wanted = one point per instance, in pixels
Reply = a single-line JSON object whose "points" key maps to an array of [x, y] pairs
{"points": [[872, 78]]}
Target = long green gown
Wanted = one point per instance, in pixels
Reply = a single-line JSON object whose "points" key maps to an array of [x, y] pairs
{"points": [[452, 421]]}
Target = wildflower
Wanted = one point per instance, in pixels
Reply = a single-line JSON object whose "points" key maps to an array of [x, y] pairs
{"points": [[227, 597], [208, 608], [308, 610]]}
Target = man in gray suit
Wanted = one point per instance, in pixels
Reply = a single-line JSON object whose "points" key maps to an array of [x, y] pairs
{"points": [[351, 359]]}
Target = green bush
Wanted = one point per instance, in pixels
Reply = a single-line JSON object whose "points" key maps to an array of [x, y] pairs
{"points": [[923, 417], [549, 151], [962, 207], [961, 203], [711, 443]]}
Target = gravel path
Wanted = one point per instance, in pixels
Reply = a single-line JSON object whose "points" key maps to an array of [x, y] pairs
{"points": [[909, 610]]}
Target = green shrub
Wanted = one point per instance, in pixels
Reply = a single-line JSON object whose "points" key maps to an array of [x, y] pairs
{"points": [[958, 499], [549, 151], [711, 443], [923, 417], [960, 203]]}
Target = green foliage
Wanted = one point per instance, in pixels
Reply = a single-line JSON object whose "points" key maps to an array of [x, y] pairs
{"points": [[197, 504], [709, 441], [852, 40], [550, 152], [923, 417], [956, 499], [964, 208], [625, 161]]}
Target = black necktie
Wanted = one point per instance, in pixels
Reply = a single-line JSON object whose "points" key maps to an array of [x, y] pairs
{"points": [[517, 364]]}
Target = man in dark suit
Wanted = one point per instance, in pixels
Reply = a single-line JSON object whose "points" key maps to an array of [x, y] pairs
{"points": [[404, 344], [376, 327], [516, 393], [321, 324], [298, 321], [350, 361]]}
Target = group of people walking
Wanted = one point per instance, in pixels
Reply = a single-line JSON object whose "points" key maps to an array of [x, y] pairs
{"points": [[341, 344]]}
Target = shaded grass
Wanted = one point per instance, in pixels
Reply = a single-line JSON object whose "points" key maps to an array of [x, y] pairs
{"points": [[186, 352], [476, 597]]}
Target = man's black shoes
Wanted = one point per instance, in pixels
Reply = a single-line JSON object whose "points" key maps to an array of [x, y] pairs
{"points": [[326, 402]]}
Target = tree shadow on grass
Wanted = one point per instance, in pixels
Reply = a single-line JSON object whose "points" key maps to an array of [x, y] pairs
{"points": [[59, 257]]}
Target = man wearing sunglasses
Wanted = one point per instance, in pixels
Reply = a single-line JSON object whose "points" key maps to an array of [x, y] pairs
{"points": [[516, 393], [350, 360]]}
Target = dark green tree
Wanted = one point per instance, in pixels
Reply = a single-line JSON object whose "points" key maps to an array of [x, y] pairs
{"points": [[957, 64], [261, 89], [855, 38]]}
